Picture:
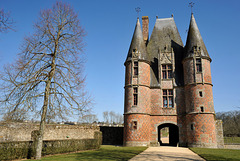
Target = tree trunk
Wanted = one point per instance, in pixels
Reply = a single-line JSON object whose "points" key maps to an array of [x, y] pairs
{"points": [[44, 109]]}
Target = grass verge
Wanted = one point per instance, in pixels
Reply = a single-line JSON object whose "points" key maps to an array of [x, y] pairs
{"points": [[105, 153], [218, 154]]}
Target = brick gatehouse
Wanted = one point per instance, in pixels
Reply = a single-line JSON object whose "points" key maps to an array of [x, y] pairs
{"points": [[168, 85]]}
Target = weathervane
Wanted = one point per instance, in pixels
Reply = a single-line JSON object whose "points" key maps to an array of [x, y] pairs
{"points": [[191, 4], [138, 9]]}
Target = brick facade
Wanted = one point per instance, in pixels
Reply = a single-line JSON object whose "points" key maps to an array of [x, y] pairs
{"points": [[180, 98]]}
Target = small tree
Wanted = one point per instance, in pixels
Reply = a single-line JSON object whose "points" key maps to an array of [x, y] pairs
{"points": [[48, 75]]}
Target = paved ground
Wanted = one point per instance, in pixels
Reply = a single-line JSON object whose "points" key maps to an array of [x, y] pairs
{"points": [[167, 153]]}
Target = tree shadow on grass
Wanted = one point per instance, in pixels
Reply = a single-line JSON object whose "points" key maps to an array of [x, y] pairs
{"points": [[116, 153]]}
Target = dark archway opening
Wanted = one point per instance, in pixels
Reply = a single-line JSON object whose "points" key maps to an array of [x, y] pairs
{"points": [[168, 134]]}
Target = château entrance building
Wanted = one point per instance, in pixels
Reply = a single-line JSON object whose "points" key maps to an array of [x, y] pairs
{"points": [[168, 85]]}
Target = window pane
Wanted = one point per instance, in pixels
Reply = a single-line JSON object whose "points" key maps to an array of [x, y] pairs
{"points": [[169, 73], [199, 68], [164, 92], [165, 103], [135, 64], [164, 74], [135, 90], [170, 92], [135, 124], [198, 61], [171, 101], [135, 101], [169, 66], [164, 67], [135, 71]]}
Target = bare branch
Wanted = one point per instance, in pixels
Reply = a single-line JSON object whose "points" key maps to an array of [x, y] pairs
{"points": [[6, 23]]}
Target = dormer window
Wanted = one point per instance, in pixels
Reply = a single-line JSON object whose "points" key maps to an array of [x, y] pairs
{"points": [[166, 71], [199, 65]]}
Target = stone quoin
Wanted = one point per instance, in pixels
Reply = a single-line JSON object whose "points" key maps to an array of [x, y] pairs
{"points": [[168, 85]]}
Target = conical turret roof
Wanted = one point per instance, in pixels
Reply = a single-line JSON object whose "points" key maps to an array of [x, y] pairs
{"points": [[195, 41], [137, 45]]}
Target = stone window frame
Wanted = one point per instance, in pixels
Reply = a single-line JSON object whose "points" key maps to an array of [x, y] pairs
{"points": [[167, 73], [169, 96], [135, 95], [199, 65], [135, 68], [202, 93]]}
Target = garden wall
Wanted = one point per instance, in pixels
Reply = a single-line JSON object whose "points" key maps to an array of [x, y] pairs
{"points": [[24, 131], [11, 150]]}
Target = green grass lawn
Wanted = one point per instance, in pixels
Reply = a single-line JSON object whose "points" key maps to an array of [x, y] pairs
{"points": [[105, 153], [231, 140], [218, 154]]}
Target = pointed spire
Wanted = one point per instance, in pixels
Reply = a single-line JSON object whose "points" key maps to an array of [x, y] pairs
{"points": [[137, 47], [195, 41]]}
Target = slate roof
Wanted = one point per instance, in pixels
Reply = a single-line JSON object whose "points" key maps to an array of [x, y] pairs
{"points": [[194, 39], [165, 33], [138, 44]]}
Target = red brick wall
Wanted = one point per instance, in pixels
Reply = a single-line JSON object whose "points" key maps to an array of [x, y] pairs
{"points": [[139, 136], [158, 120], [203, 133]]}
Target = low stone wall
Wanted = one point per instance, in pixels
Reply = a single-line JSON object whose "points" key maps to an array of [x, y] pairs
{"points": [[24, 131], [26, 149], [233, 146]]}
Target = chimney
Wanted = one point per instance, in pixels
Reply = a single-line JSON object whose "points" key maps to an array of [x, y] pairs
{"points": [[145, 22]]}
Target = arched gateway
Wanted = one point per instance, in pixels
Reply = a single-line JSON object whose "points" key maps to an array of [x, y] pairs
{"points": [[170, 133], [168, 83]]}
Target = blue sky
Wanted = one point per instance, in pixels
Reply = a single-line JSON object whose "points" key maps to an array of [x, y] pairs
{"points": [[110, 24]]}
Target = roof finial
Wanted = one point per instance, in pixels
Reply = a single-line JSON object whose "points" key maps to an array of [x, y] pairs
{"points": [[138, 9], [191, 4]]}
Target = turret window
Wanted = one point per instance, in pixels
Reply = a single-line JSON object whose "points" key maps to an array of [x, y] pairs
{"points": [[168, 98], [134, 125], [135, 68], [199, 65], [167, 71], [135, 96]]}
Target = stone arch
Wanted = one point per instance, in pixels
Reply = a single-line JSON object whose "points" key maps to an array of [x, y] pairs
{"points": [[173, 133]]}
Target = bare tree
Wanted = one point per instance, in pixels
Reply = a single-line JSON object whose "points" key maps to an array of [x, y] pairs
{"points": [[231, 125], [6, 22], [106, 117], [48, 75], [89, 118], [112, 117]]}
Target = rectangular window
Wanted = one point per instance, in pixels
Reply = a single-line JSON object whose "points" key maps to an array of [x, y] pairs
{"points": [[135, 68], [168, 98], [166, 71], [199, 65], [135, 96], [134, 125]]}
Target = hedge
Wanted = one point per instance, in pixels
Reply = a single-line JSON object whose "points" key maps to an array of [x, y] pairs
{"points": [[26, 149]]}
